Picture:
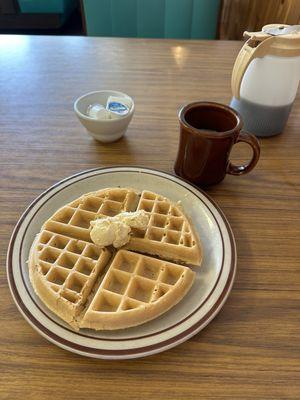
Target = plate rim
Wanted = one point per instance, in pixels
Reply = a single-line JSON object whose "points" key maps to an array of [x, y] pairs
{"points": [[112, 353]]}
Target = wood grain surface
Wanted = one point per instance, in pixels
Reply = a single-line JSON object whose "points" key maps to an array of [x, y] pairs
{"points": [[251, 349], [238, 16]]}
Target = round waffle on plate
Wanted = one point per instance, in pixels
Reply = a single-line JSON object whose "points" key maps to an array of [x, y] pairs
{"points": [[98, 288]]}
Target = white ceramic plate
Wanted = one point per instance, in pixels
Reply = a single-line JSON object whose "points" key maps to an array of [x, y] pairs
{"points": [[208, 294]]}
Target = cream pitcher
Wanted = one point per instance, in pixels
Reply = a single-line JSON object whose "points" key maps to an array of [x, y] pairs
{"points": [[265, 78]]}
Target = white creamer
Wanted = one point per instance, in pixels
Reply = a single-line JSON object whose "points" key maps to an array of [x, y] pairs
{"points": [[265, 78]]}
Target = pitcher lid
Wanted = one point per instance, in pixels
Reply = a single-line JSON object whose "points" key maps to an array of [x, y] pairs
{"points": [[284, 31], [281, 40]]}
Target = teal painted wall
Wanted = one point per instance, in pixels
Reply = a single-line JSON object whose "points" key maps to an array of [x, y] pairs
{"points": [[205, 19], [47, 6], [150, 19], [187, 19]]}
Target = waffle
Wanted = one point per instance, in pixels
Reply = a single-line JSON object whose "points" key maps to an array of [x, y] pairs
{"points": [[63, 263], [66, 267], [169, 234], [73, 220], [136, 289]]}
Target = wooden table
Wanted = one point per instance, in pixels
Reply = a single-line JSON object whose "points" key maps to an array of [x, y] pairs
{"points": [[251, 349]]}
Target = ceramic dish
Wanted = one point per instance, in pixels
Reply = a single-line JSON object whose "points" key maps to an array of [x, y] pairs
{"points": [[105, 131], [205, 299]]}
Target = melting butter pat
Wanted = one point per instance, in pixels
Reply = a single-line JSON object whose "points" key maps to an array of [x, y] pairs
{"points": [[116, 230]]}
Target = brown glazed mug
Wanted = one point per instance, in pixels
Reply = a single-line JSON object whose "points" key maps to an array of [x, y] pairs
{"points": [[207, 133]]}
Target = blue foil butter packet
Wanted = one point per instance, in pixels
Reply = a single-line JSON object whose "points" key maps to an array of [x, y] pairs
{"points": [[117, 108]]}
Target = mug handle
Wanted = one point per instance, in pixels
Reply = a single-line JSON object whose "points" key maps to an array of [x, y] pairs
{"points": [[244, 169]]}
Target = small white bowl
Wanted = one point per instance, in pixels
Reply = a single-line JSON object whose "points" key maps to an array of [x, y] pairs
{"points": [[108, 130]]}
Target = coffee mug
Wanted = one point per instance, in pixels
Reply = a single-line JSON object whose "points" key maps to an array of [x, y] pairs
{"points": [[208, 132]]}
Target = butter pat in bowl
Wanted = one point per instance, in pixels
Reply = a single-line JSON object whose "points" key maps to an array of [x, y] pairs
{"points": [[105, 114]]}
